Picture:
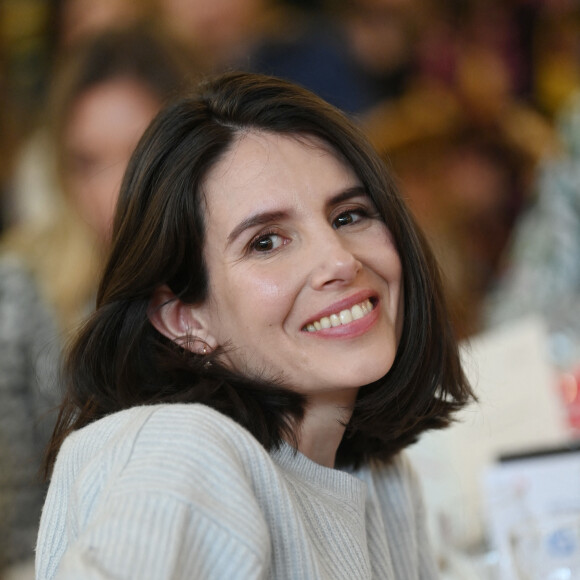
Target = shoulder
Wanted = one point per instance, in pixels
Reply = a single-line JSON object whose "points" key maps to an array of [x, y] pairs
{"points": [[183, 454], [174, 428], [162, 447], [193, 420], [192, 434]]}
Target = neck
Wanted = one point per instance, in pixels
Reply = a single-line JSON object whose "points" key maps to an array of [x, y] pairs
{"points": [[323, 426]]}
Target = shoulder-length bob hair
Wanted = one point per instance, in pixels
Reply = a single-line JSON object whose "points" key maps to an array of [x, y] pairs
{"points": [[119, 360]]}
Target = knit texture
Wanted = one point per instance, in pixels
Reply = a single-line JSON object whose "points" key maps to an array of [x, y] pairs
{"points": [[29, 351], [181, 491]]}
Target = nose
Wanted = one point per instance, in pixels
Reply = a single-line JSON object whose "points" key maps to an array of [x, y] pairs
{"points": [[334, 263]]}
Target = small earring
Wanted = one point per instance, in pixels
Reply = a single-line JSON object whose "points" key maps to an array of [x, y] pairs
{"points": [[204, 349]]}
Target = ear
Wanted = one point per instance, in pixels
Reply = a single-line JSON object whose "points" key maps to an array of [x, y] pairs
{"points": [[183, 323]]}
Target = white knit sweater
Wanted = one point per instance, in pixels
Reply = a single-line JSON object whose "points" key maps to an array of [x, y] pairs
{"points": [[181, 491]]}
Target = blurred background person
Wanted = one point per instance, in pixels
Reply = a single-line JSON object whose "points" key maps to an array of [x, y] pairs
{"points": [[271, 37], [67, 24], [103, 98]]}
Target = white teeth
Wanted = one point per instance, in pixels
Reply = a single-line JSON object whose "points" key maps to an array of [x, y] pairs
{"points": [[345, 316], [357, 312]]}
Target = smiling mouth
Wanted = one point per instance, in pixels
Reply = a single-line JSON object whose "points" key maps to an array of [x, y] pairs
{"points": [[341, 318]]}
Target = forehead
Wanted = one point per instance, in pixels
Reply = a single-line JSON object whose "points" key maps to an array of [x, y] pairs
{"points": [[270, 168]]}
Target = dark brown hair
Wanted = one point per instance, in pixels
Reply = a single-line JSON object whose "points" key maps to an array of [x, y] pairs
{"points": [[119, 360]]}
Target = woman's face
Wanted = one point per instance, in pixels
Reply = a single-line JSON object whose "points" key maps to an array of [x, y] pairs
{"points": [[305, 280], [103, 128]]}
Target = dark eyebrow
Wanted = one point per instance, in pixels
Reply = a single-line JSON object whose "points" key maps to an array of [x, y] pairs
{"points": [[356, 191], [257, 219], [263, 218]]}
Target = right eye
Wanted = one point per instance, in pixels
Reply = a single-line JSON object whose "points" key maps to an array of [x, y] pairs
{"points": [[266, 242]]}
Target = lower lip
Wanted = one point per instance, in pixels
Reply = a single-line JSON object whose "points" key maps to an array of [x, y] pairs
{"points": [[351, 330]]}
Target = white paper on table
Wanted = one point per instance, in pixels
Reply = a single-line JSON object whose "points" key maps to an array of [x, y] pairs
{"points": [[518, 410], [528, 493]]}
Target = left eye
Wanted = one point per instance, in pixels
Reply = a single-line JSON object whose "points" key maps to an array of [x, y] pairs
{"points": [[347, 218]]}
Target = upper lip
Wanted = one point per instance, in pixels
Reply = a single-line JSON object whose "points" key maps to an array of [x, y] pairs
{"points": [[344, 304]]}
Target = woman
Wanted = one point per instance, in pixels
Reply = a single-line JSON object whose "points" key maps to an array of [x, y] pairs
{"points": [[104, 96], [270, 333]]}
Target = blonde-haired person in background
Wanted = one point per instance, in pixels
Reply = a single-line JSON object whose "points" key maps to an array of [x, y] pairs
{"points": [[104, 97], [66, 25]]}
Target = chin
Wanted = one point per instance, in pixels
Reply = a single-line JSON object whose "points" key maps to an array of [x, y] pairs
{"points": [[364, 374]]}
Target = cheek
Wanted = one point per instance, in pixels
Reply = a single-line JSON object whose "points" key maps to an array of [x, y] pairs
{"points": [[383, 257], [249, 301], [387, 265], [267, 298]]}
